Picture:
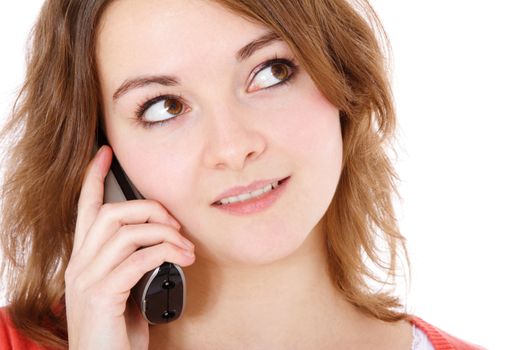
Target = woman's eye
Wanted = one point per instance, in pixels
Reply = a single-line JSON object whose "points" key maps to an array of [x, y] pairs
{"points": [[161, 109], [273, 74]]}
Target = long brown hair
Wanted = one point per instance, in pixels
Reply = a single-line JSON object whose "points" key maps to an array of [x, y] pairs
{"points": [[50, 134]]}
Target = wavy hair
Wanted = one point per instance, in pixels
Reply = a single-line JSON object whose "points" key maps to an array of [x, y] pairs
{"points": [[49, 135]]}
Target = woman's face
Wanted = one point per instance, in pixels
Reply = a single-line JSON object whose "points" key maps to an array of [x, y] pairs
{"points": [[234, 123]]}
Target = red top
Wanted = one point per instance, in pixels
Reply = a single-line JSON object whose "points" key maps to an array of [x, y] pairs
{"points": [[11, 338], [442, 340]]}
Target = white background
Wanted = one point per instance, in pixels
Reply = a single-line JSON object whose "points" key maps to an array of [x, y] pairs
{"points": [[458, 74]]}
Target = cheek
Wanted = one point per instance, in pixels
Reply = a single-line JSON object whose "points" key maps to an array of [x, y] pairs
{"points": [[314, 135], [147, 169], [312, 130]]}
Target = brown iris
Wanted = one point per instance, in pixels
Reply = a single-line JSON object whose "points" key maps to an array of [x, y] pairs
{"points": [[173, 106], [280, 71]]}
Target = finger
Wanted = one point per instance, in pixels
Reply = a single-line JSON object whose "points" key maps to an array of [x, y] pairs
{"points": [[112, 216], [131, 270], [126, 242], [91, 194]]}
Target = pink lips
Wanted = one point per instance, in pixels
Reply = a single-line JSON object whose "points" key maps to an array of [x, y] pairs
{"points": [[256, 204], [237, 190]]}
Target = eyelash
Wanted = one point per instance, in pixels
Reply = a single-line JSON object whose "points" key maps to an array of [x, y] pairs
{"points": [[143, 107]]}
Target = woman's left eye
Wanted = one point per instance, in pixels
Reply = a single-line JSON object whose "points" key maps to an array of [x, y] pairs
{"points": [[273, 73]]}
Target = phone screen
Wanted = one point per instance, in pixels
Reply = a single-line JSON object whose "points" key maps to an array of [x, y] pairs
{"points": [[161, 293]]}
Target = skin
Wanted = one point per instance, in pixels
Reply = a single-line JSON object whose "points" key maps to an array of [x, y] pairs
{"points": [[258, 281]]}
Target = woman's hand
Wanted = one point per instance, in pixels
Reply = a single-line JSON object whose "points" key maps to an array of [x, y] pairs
{"points": [[105, 263]]}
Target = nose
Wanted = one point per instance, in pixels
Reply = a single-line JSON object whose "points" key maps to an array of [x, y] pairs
{"points": [[232, 138]]}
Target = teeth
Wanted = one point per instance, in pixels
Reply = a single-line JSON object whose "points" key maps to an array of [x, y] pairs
{"points": [[245, 196]]}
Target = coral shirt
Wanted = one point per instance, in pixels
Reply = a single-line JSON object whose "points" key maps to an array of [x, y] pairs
{"points": [[12, 339]]}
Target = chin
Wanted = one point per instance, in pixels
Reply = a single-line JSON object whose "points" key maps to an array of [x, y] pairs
{"points": [[259, 250]]}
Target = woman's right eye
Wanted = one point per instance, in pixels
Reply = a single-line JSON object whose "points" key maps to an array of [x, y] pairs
{"points": [[160, 110]]}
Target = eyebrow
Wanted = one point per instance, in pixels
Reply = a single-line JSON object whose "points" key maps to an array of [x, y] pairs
{"points": [[243, 54]]}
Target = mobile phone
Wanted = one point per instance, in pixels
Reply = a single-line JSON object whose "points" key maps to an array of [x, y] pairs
{"points": [[161, 293]]}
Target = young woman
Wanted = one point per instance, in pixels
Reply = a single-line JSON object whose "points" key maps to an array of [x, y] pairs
{"points": [[202, 101]]}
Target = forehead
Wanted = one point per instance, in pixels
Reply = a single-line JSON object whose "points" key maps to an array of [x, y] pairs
{"points": [[157, 34]]}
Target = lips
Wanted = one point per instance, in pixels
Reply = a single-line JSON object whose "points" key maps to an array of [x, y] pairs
{"points": [[237, 190]]}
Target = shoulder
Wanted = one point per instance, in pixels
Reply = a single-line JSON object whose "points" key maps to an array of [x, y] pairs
{"points": [[10, 337], [440, 339]]}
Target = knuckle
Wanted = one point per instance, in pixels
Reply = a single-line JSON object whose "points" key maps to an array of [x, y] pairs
{"points": [[155, 205], [167, 231], [171, 251], [144, 260], [80, 283], [106, 209], [153, 202], [173, 236], [75, 283], [68, 275], [128, 236], [162, 209], [126, 230], [137, 259], [108, 213]]}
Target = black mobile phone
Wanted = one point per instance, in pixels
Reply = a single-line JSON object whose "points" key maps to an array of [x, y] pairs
{"points": [[161, 293]]}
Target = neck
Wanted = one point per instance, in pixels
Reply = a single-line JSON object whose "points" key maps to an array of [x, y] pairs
{"points": [[270, 305]]}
